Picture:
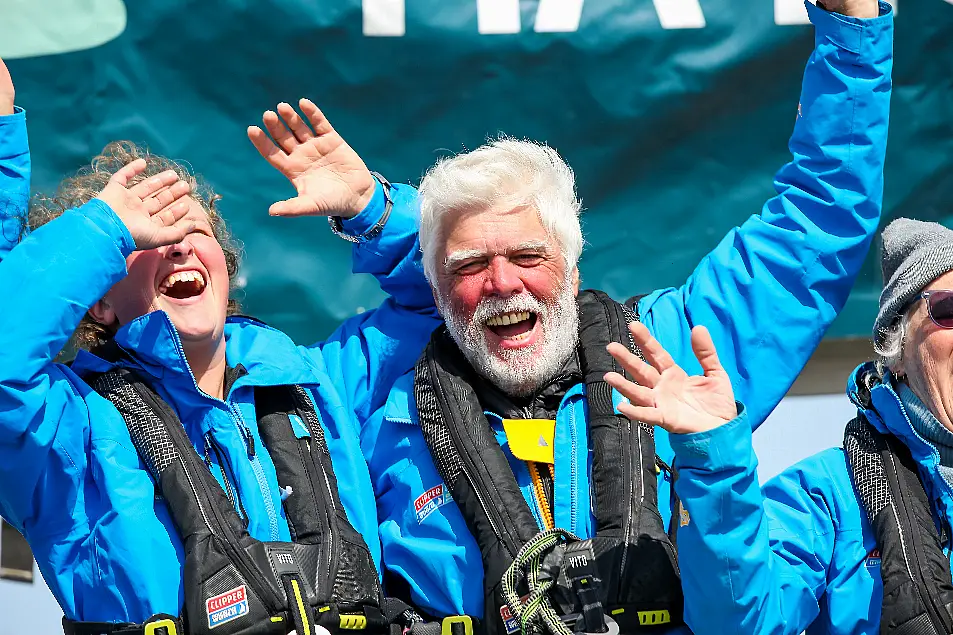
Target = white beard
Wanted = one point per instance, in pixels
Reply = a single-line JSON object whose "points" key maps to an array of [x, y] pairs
{"points": [[519, 372]]}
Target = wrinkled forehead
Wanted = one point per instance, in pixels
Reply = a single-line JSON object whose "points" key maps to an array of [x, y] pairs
{"points": [[497, 230]]}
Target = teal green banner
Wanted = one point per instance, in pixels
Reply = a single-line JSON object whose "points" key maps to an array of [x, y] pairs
{"points": [[674, 114]]}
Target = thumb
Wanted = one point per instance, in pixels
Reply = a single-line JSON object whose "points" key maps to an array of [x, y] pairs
{"points": [[297, 206], [705, 352]]}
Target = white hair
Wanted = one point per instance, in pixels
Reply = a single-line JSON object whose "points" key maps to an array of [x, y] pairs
{"points": [[889, 344], [506, 171]]}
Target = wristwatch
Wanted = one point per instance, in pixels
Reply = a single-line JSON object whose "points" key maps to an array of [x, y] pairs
{"points": [[337, 225]]}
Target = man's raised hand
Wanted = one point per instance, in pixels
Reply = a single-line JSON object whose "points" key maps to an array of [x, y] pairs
{"points": [[154, 209], [331, 179], [6, 90], [665, 395]]}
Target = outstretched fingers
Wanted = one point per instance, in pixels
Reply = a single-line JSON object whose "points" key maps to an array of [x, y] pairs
{"points": [[705, 352], [654, 354], [638, 395], [645, 414], [318, 121], [267, 148], [128, 172], [167, 196], [146, 187], [294, 122], [279, 131], [640, 371]]}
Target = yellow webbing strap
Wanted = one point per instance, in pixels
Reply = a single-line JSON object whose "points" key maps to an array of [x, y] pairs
{"points": [[301, 610]]}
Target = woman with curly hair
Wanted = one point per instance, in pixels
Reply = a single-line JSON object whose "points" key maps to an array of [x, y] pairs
{"points": [[132, 258]]}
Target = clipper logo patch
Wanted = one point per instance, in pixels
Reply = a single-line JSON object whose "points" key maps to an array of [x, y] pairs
{"points": [[428, 502], [226, 607], [510, 623], [873, 559]]}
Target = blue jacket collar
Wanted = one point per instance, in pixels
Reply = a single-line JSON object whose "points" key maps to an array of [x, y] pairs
{"points": [[878, 401], [268, 356]]}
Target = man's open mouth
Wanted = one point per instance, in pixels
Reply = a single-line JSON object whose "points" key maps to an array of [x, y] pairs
{"points": [[183, 284], [513, 325]]}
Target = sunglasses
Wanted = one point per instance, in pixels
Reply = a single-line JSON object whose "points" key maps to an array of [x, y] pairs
{"points": [[939, 306]]}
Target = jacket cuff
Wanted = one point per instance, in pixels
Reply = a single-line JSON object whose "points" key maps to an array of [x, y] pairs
{"points": [[855, 35], [359, 225], [725, 447], [13, 137], [101, 215]]}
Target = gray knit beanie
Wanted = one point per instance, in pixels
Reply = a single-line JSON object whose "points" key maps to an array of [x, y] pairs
{"points": [[915, 254]]}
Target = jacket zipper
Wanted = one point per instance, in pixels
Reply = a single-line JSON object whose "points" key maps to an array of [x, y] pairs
{"points": [[249, 442], [257, 469], [239, 558]]}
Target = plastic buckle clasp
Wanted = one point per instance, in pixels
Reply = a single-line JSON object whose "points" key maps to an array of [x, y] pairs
{"points": [[465, 621], [152, 628]]}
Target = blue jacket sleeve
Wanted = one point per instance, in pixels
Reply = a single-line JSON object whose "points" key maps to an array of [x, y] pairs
{"points": [[772, 286], [368, 352], [753, 562], [52, 277], [14, 178]]}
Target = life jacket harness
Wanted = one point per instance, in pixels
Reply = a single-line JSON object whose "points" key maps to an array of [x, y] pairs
{"points": [[918, 587], [234, 584], [628, 570]]}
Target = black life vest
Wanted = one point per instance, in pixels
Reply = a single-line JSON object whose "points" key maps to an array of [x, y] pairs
{"points": [[918, 589], [234, 584], [634, 558]]}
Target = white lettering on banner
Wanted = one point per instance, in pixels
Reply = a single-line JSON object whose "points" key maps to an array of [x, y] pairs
{"points": [[385, 18], [680, 14], [559, 16], [498, 17], [791, 12]]}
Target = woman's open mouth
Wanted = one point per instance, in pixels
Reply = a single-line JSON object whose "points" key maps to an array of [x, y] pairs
{"points": [[182, 285]]}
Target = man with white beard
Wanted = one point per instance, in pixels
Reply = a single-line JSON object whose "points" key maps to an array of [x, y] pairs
{"points": [[504, 444]]}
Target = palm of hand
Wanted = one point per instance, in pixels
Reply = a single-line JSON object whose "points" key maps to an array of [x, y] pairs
{"points": [[693, 404], [327, 172]]}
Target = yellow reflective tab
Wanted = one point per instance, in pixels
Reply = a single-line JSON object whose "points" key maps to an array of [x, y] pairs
{"points": [[353, 622], [618, 611], [277, 619], [301, 611], [152, 627], [647, 618], [324, 609], [531, 439], [446, 626]]}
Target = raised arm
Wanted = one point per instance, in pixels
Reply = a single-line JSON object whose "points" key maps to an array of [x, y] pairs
{"points": [[14, 165], [51, 279], [331, 180], [366, 354], [751, 562], [772, 286]]}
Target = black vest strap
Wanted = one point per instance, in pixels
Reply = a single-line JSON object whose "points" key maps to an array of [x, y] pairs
{"points": [[636, 562], [235, 584], [918, 589]]}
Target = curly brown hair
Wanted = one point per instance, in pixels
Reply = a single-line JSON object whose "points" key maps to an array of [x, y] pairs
{"points": [[89, 181]]}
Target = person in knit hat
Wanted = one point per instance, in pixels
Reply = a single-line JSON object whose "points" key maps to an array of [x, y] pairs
{"points": [[854, 539]]}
